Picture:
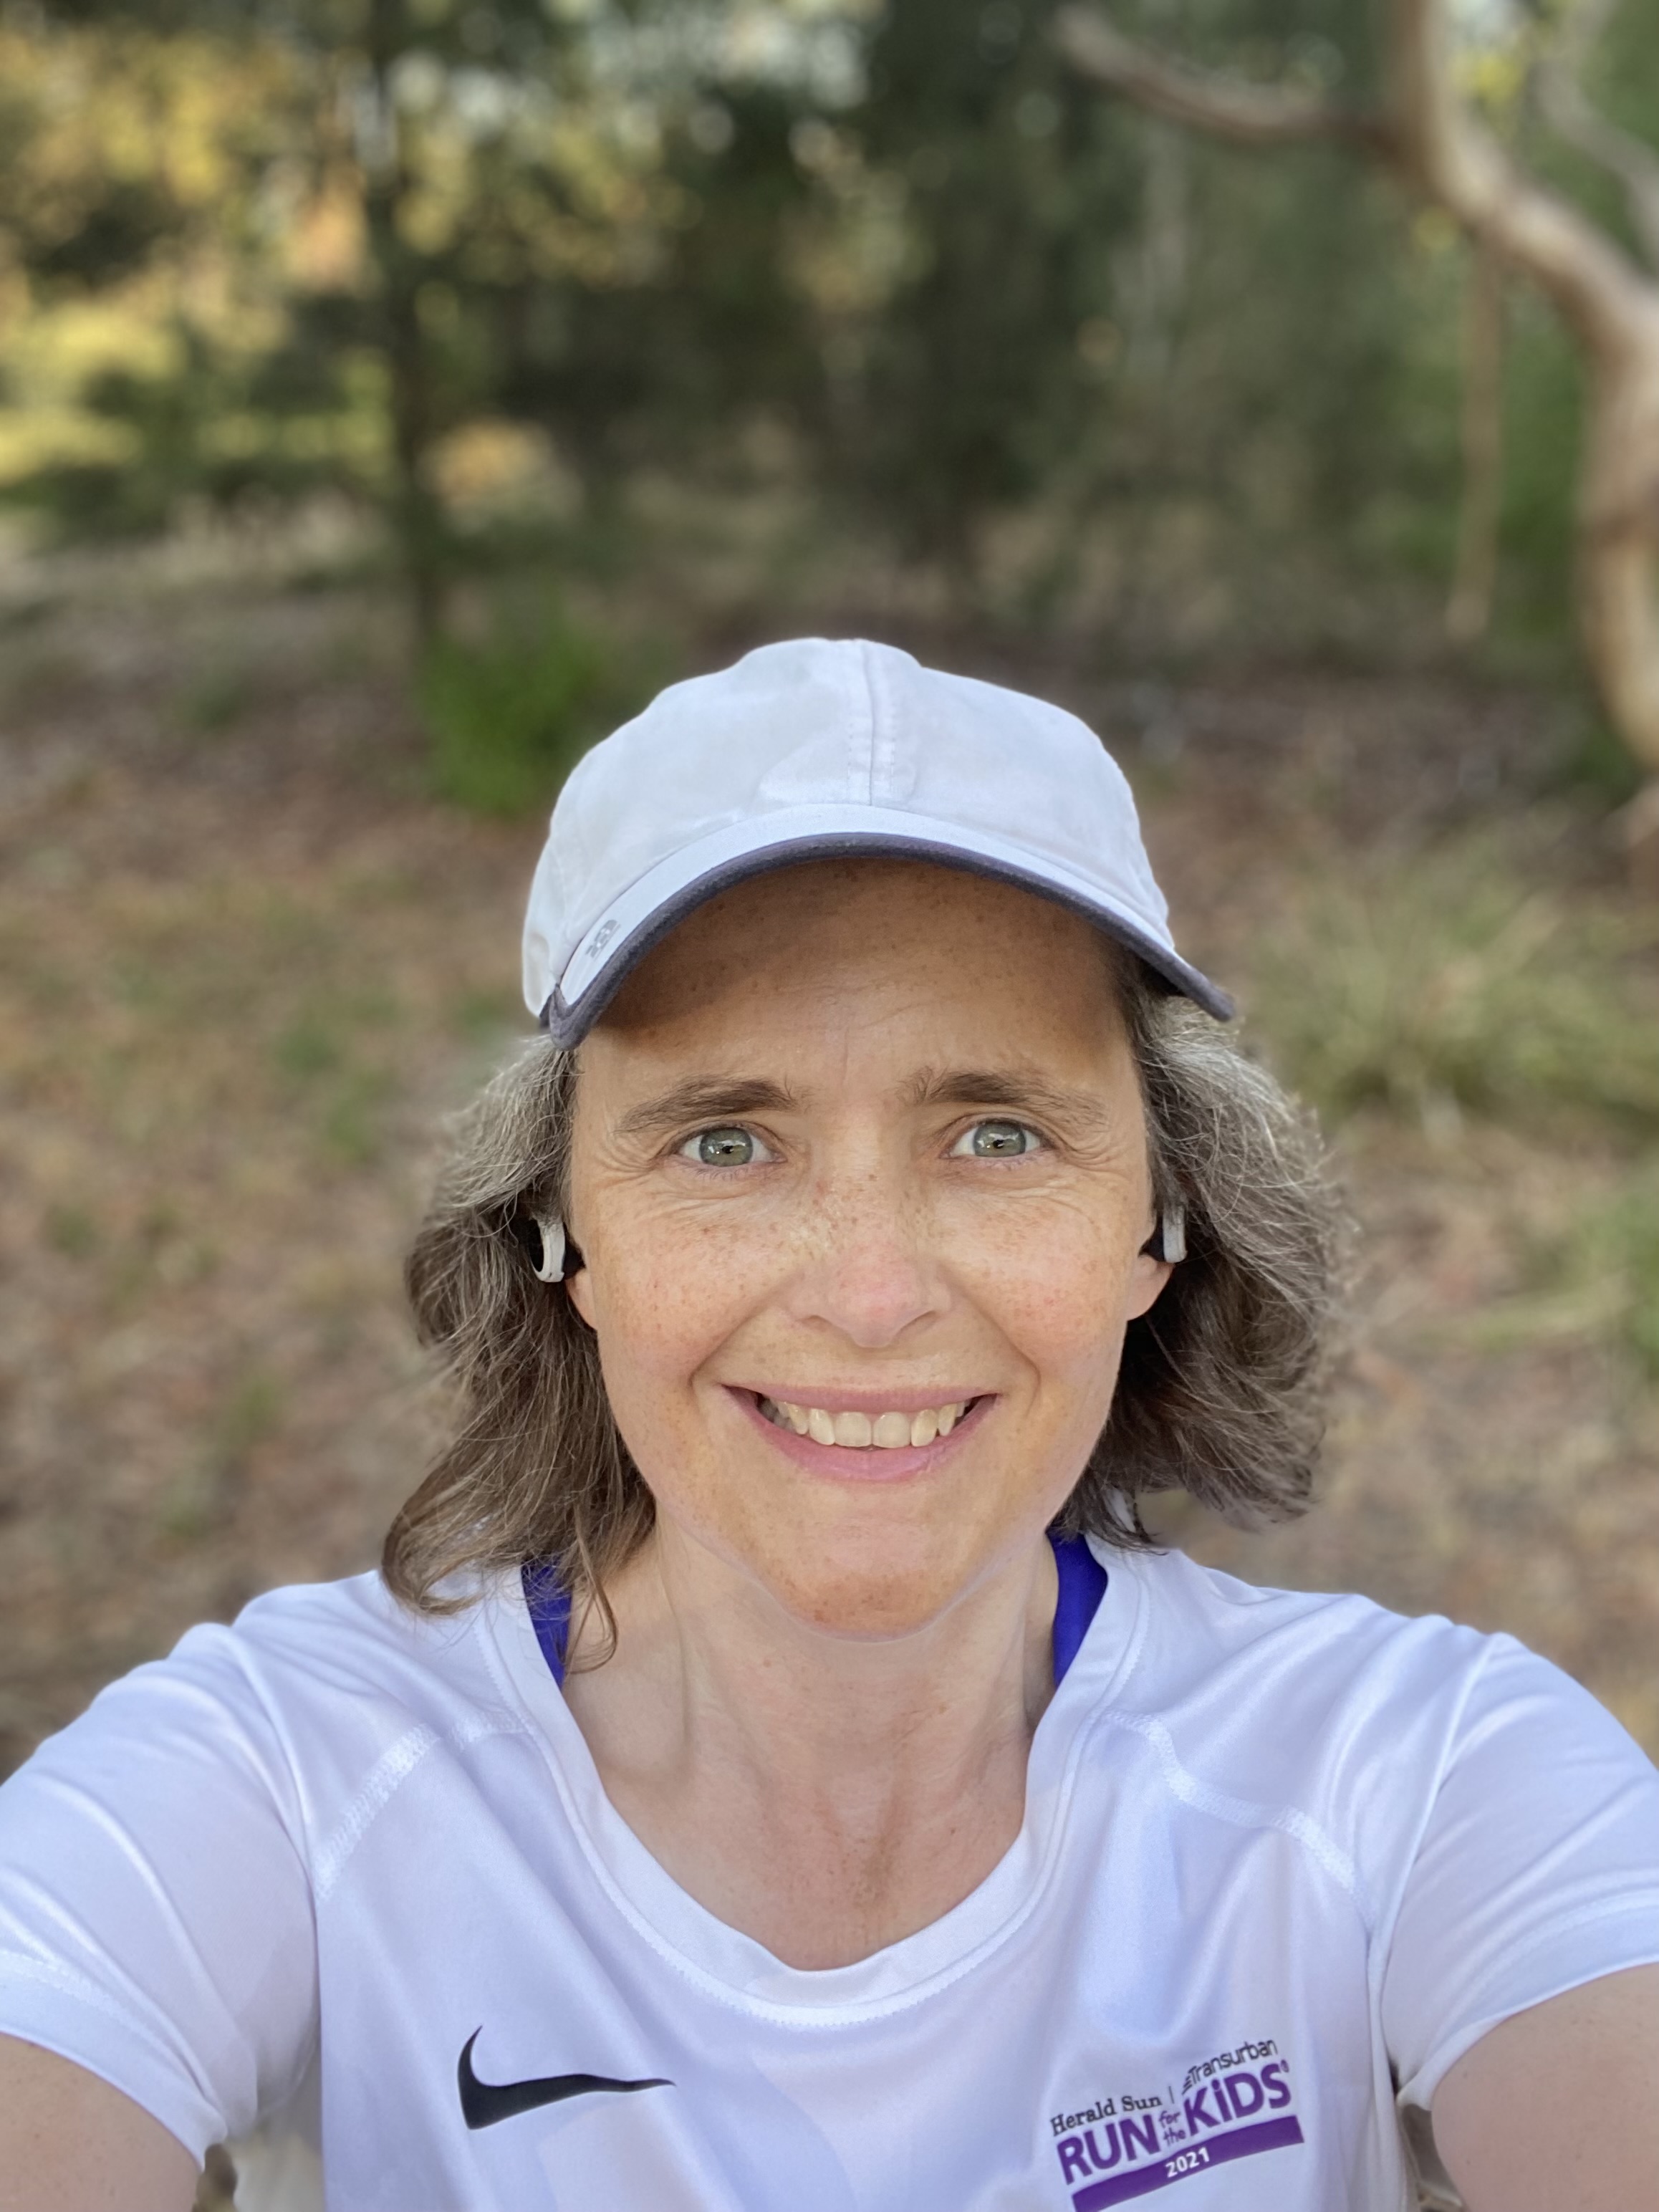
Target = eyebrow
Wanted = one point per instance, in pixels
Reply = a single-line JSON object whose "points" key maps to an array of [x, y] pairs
{"points": [[704, 1098], [730, 1098], [1021, 1088]]}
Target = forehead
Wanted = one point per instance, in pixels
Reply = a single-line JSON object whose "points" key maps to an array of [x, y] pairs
{"points": [[899, 944]]}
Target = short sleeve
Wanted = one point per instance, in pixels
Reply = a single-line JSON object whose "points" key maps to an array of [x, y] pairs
{"points": [[156, 1913], [1536, 1870]]}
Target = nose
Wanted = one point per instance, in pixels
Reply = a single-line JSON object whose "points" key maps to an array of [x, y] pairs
{"points": [[867, 1271]]}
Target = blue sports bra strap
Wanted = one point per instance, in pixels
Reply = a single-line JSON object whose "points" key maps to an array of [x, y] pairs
{"points": [[1082, 1586], [549, 1612]]}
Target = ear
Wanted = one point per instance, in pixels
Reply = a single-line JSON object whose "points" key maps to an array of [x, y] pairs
{"points": [[1147, 1276], [578, 1288], [1156, 1260]]}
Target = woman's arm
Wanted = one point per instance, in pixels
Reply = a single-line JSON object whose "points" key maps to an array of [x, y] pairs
{"points": [[1559, 2107], [70, 2143]]}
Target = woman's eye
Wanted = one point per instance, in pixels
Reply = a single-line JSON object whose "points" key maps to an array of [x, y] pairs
{"points": [[995, 1140], [725, 1148]]}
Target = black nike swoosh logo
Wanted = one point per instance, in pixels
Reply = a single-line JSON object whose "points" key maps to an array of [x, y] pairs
{"points": [[483, 2102]]}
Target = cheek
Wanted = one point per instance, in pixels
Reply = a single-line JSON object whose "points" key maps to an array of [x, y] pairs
{"points": [[652, 1326], [665, 1295], [1059, 1292], [651, 1337]]}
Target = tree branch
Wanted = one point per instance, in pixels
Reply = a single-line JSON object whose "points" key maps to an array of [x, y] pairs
{"points": [[1468, 610], [1627, 158], [1437, 144], [1430, 136], [1453, 157], [1225, 107]]}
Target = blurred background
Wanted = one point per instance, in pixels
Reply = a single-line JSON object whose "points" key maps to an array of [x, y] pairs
{"points": [[393, 393]]}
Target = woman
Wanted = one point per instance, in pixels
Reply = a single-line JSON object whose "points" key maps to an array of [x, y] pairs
{"points": [[773, 1769]]}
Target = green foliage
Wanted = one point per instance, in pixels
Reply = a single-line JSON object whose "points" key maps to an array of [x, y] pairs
{"points": [[985, 371], [958, 295], [1599, 767], [215, 697], [1635, 1230], [72, 1231], [307, 1048], [250, 1411], [330, 1059], [1591, 1280], [1604, 1272], [1542, 400], [1128, 330], [510, 714], [1448, 984]]}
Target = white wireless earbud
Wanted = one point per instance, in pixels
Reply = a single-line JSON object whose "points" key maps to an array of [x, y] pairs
{"points": [[552, 1267], [1174, 1239]]}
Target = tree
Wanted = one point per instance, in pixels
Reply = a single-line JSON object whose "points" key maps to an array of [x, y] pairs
{"points": [[575, 218], [1425, 129], [973, 392]]}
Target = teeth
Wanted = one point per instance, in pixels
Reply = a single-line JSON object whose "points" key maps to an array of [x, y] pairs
{"points": [[857, 1431]]}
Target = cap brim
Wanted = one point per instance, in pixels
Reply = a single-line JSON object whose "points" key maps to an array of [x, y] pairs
{"points": [[665, 894]]}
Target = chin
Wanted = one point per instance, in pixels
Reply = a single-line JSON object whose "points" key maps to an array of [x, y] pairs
{"points": [[843, 1591]]}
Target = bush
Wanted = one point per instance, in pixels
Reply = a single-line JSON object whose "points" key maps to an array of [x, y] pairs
{"points": [[510, 716], [1611, 1260], [1448, 982], [1592, 1280]]}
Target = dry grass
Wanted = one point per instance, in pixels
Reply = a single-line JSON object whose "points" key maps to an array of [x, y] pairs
{"points": [[1462, 980], [233, 1007], [1452, 967]]}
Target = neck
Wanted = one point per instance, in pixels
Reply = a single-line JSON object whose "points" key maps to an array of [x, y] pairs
{"points": [[827, 1793]]}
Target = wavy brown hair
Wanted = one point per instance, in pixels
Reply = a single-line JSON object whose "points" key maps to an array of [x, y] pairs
{"points": [[1220, 1393]]}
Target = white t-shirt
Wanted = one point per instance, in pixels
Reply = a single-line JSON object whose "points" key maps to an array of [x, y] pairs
{"points": [[1282, 1855]]}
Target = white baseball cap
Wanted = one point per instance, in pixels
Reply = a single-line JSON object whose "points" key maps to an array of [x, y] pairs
{"points": [[814, 750]]}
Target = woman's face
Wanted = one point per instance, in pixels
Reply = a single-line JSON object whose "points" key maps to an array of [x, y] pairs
{"points": [[859, 1151]]}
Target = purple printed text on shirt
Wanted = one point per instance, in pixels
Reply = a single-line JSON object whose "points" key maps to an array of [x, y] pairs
{"points": [[1213, 2123]]}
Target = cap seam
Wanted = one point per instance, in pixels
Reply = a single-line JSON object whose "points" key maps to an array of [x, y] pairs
{"points": [[882, 732], [861, 752]]}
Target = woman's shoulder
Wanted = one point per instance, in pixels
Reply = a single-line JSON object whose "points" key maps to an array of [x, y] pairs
{"points": [[305, 1716], [310, 1681], [351, 1642], [358, 1619], [1328, 1715], [1202, 1622], [1333, 1674]]}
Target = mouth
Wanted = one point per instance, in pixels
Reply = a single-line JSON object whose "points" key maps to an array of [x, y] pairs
{"points": [[857, 1430], [871, 1443]]}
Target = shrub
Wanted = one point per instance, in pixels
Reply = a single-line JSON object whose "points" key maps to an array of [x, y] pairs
{"points": [[1447, 982], [1593, 1280], [510, 715]]}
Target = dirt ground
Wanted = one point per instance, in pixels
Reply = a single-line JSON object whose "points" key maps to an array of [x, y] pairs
{"points": [[246, 966]]}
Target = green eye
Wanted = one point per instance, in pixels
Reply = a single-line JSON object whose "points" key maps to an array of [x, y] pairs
{"points": [[996, 1141], [722, 1148]]}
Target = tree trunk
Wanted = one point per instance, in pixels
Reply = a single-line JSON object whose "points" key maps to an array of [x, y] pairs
{"points": [[1612, 306], [415, 512], [1431, 138], [1619, 538], [1469, 611]]}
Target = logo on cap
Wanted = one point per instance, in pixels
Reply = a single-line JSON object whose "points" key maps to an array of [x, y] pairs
{"points": [[601, 937]]}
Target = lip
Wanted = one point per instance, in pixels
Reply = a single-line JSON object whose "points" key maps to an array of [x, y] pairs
{"points": [[850, 1463], [872, 1401]]}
